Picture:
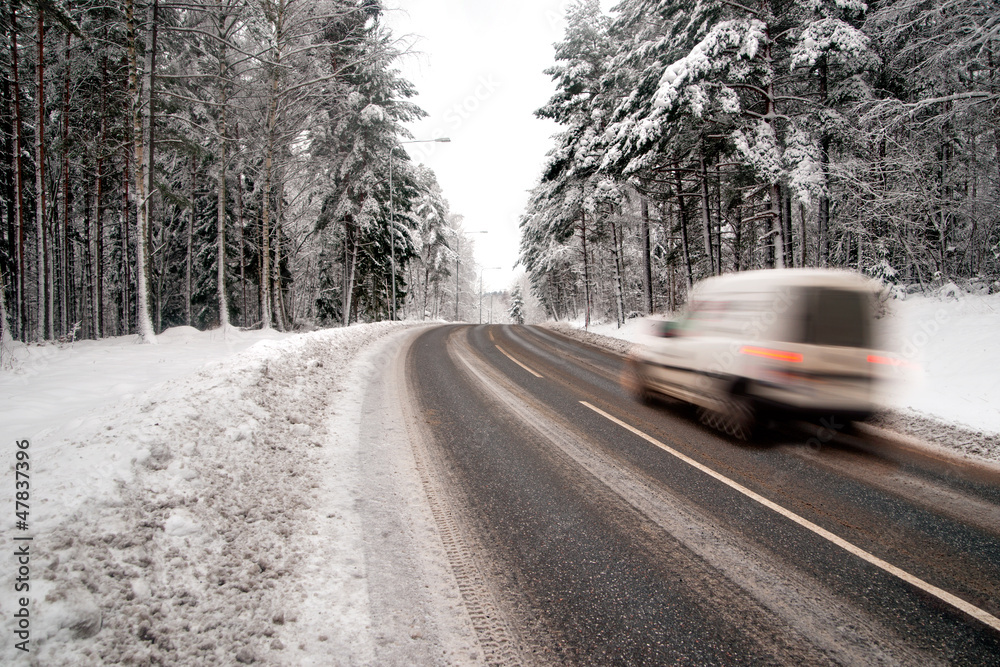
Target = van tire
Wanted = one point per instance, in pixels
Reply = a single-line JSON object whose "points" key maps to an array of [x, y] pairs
{"points": [[740, 417], [735, 415]]}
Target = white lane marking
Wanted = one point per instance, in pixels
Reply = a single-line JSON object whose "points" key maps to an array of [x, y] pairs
{"points": [[517, 362], [943, 595]]}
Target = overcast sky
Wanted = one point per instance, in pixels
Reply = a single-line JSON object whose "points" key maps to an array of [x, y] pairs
{"points": [[478, 67]]}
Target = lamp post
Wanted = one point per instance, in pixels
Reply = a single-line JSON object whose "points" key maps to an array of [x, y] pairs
{"points": [[488, 268], [392, 223], [458, 261]]}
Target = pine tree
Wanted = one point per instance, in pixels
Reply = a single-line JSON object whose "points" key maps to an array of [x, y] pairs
{"points": [[516, 310]]}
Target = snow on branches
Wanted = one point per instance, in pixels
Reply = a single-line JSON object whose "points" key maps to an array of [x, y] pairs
{"points": [[830, 35], [727, 43]]}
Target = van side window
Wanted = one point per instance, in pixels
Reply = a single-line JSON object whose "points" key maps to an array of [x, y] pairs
{"points": [[707, 317], [839, 318], [753, 314]]}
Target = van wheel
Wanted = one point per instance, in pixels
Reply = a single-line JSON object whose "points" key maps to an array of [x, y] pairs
{"points": [[735, 416], [740, 417]]}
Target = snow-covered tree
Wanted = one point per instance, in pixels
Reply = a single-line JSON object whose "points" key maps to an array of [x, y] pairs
{"points": [[362, 139], [178, 156], [434, 260], [516, 310], [933, 139]]}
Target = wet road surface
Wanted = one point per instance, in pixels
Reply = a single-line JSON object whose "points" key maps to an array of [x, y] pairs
{"points": [[592, 529]]}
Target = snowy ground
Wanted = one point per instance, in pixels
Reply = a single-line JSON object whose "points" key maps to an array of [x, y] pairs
{"points": [[952, 397], [206, 501]]}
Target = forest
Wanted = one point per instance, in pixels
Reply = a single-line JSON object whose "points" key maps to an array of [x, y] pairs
{"points": [[698, 138], [213, 163]]}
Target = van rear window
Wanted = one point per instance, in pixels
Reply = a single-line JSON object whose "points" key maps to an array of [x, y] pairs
{"points": [[840, 318]]}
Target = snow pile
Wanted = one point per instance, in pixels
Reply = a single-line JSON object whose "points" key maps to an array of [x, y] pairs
{"points": [[952, 337], [167, 529], [52, 389]]}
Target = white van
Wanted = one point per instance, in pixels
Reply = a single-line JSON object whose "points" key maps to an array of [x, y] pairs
{"points": [[787, 342]]}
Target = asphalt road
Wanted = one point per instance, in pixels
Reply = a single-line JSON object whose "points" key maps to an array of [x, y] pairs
{"points": [[586, 528]]}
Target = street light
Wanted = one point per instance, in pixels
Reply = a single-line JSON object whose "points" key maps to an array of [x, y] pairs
{"points": [[488, 268], [392, 223], [458, 260]]}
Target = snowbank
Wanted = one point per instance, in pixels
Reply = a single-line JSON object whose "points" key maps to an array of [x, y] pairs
{"points": [[51, 389], [167, 506], [953, 339]]}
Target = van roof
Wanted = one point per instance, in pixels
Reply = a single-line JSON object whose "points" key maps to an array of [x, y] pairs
{"points": [[766, 279]]}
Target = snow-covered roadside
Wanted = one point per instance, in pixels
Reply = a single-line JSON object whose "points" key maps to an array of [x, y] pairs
{"points": [[376, 586], [953, 400], [48, 389], [174, 527]]}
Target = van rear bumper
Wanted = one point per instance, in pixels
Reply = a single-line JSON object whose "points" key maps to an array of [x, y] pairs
{"points": [[830, 416]]}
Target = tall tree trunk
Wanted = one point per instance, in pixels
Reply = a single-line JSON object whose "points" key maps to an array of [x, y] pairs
{"points": [[244, 308], [352, 248], [427, 279], [99, 327], [737, 240], [244, 305], [265, 276], [5, 336], [777, 240], [190, 247], [647, 265], [823, 215], [87, 313], [22, 289], [666, 228], [141, 156], [126, 246], [706, 209], [97, 256], [616, 256], [64, 264], [7, 131], [149, 72], [787, 218], [280, 313], [270, 129], [221, 226], [223, 169], [685, 246], [344, 269], [40, 207], [804, 258]]}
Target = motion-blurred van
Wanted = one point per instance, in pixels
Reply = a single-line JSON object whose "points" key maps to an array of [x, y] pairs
{"points": [[795, 343]]}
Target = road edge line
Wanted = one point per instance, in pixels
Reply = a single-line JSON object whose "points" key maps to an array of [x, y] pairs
{"points": [[943, 595]]}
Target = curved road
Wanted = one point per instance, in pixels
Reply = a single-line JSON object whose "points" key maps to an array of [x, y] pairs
{"points": [[586, 528]]}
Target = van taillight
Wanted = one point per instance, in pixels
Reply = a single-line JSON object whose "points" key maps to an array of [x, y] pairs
{"points": [[888, 361], [778, 355]]}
